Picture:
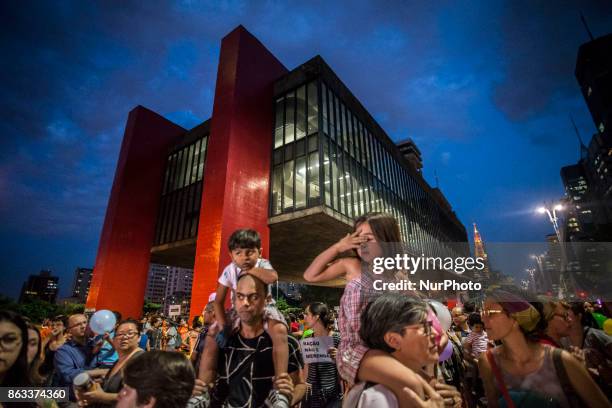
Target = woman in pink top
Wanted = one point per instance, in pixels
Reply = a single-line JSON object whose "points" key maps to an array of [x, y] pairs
{"points": [[355, 361]]}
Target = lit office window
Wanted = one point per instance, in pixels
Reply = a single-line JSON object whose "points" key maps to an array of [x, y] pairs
{"points": [[290, 118], [277, 187], [300, 125], [313, 177], [278, 125], [288, 185], [324, 109], [327, 177], [300, 182], [313, 108]]}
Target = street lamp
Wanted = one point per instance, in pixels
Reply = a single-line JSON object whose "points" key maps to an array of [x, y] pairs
{"points": [[551, 211]]}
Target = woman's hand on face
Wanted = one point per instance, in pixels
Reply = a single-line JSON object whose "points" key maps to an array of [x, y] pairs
{"points": [[350, 241]]}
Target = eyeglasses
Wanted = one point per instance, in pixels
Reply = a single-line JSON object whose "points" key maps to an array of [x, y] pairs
{"points": [[565, 316], [10, 342], [425, 326], [127, 335], [490, 312], [78, 324]]}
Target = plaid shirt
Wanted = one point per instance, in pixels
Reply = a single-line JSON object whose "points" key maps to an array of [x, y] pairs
{"points": [[355, 298]]}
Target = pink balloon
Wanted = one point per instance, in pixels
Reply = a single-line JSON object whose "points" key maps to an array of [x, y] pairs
{"points": [[446, 353]]}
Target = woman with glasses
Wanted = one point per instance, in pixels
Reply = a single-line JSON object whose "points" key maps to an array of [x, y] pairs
{"points": [[522, 372], [401, 326], [125, 342], [558, 320], [14, 369], [13, 350]]}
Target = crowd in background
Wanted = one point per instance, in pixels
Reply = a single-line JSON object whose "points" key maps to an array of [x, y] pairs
{"points": [[386, 349]]}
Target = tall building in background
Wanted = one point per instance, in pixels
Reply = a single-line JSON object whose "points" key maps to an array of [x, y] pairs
{"points": [[178, 288], [169, 285], [156, 283], [291, 153], [594, 75], [43, 286], [553, 263], [587, 225], [480, 252], [81, 282]]}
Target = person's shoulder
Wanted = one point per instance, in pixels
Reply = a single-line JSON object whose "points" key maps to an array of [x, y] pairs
{"points": [[230, 269], [598, 335], [371, 396]]}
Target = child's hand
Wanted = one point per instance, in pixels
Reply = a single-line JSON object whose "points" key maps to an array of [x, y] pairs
{"points": [[332, 351], [350, 241]]}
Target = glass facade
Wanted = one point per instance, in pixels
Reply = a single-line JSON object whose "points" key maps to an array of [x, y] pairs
{"points": [[319, 141], [179, 209], [295, 160]]}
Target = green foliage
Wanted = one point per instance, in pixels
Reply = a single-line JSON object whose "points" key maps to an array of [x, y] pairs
{"points": [[285, 308], [37, 310], [150, 307]]}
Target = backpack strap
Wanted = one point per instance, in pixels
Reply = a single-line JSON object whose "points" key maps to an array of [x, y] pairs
{"points": [[564, 381], [500, 379]]}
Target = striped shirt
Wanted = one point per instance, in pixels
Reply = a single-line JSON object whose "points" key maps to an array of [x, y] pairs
{"points": [[324, 382], [479, 342]]}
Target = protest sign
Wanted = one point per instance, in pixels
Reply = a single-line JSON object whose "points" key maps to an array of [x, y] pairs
{"points": [[314, 349]]}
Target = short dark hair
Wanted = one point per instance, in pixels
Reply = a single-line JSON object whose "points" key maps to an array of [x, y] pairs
{"points": [[469, 307], [244, 238], [165, 375], [130, 321], [474, 318], [258, 282], [61, 318], [391, 312]]}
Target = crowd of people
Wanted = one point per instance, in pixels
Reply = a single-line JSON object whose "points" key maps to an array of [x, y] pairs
{"points": [[383, 349]]}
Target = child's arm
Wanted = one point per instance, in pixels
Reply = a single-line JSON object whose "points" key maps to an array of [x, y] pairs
{"points": [[268, 276], [320, 269], [220, 304]]}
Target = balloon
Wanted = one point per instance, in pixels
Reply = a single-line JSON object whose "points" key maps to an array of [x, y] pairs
{"points": [[446, 353], [444, 315], [607, 326], [103, 321], [599, 318]]}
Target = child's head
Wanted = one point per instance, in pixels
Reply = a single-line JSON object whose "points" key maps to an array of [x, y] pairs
{"points": [[476, 323], [382, 233], [245, 248]]}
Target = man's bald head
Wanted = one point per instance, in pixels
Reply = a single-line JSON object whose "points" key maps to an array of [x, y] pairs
{"points": [[250, 302], [253, 283]]}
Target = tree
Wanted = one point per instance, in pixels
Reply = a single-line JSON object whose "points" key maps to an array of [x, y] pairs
{"points": [[150, 307]]}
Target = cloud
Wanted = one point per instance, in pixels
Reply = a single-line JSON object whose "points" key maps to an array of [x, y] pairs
{"points": [[539, 47]]}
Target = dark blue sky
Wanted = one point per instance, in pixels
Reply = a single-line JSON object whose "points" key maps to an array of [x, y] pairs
{"points": [[485, 88]]}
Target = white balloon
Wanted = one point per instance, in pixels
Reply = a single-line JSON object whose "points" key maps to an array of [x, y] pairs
{"points": [[443, 314], [103, 321]]}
